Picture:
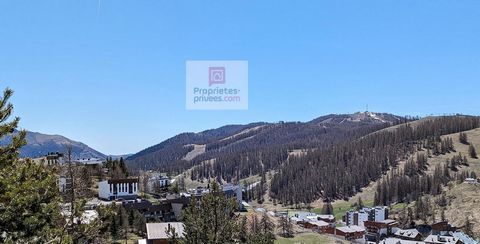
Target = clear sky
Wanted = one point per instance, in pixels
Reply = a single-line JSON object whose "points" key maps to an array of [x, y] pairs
{"points": [[111, 73]]}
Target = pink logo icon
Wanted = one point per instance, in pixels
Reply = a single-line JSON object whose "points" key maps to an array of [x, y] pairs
{"points": [[216, 75]]}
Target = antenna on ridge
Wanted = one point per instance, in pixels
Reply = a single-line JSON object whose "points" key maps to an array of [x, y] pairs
{"points": [[366, 108]]}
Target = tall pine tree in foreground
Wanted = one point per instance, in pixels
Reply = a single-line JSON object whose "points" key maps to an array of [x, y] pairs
{"points": [[29, 200], [211, 219]]}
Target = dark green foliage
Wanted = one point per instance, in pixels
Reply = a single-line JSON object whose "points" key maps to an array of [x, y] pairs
{"points": [[462, 137], [286, 227], [327, 208], [173, 236], [472, 151], [29, 198], [243, 231], [212, 219], [117, 168]]}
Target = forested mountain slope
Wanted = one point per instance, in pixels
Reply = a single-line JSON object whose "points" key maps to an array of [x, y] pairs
{"points": [[243, 150], [342, 170], [437, 191]]}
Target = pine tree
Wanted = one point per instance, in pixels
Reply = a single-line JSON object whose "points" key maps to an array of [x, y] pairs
{"points": [[360, 204], [172, 234], [29, 197], [462, 137], [213, 220], [472, 151], [243, 231], [327, 208], [113, 226], [268, 228], [139, 223], [286, 227], [468, 227]]}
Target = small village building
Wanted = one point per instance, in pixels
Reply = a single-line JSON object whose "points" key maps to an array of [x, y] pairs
{"points": [[394, 240], [113, 189], [442, 228], [410, 234], [317, 225], [464, 238], [326, 217], [233, 191], [350, 232], [158, 181], [312, 216], [296, 220], [89, 162], [376, 230], [441, 239], [472, 181], [157, 233], [54, 158]]}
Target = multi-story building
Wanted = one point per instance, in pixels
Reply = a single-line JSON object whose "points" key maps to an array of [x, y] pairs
{"points": [[233, 191], [54, 158], [118, 189], [378, 213]]}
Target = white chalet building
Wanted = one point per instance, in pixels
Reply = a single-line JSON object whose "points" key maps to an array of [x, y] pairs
{"points": [[118, 189]]}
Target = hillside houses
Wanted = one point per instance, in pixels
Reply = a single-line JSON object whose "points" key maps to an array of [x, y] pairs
{"points": [[157, 181]]}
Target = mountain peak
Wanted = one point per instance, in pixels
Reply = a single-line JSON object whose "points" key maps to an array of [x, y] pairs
{"points": [[358, 117]]}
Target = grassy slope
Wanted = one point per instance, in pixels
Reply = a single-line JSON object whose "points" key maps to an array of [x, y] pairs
{"points": [[465, 199], [307, 238]]}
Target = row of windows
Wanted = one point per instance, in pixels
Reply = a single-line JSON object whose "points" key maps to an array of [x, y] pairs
{"points": [[123, 187]]}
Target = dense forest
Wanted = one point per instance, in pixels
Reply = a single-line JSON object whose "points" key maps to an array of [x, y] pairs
{"points": [[168, 152], [271, 148], [236, 152], [342, 170]]}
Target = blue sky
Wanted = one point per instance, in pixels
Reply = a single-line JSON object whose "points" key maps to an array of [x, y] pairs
{"points": [[112, 73]]}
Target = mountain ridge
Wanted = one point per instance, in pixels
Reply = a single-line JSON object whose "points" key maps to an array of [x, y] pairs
{"points": [[264, 134], [39, 144]]}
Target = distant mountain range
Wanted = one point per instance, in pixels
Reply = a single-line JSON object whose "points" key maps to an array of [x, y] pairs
{"points": [[188, 146], [260, 136], [39, 145]]}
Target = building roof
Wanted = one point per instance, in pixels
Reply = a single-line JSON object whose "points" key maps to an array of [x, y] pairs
{"points": [[387, 221], [159, 230], [351, 229], [89, 161], [130, 180], [441, 239], [295, 219], [464, 238], [399, 241], [381, 224], [410, 233], [326, 216], [319, 223], [443, 226]]}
